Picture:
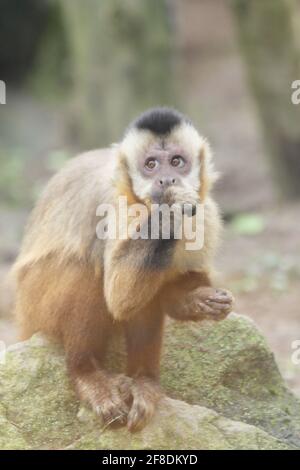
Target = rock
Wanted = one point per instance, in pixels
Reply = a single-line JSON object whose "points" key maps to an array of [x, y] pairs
{"points": [[236, 396], [178, 425], [229, 367]]}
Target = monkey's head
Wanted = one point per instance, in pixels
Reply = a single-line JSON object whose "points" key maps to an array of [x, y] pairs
{"points": [[166, 159]]}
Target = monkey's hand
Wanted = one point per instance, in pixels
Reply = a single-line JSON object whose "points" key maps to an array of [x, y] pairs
{"points": [[203, 303], [185, 200]]}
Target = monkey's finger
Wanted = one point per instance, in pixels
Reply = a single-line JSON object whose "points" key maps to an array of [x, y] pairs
{"points": [[217, 309], [221, 296], [213, 310], [114, 418], [217, 313], [215, 304], [203, 308]]}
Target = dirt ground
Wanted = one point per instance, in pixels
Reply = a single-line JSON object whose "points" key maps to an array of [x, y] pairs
{"points": [[263, 271]]}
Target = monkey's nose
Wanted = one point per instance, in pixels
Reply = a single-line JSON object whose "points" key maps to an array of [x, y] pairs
{"points": [[165, 182]]}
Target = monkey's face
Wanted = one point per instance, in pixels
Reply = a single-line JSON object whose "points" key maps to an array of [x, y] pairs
{"points": [[169, 169], [167, 174], [164, 167]]}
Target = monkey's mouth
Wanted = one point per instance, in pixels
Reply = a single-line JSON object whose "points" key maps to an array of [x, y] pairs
{"points": [[184, 202], [186, 207]]}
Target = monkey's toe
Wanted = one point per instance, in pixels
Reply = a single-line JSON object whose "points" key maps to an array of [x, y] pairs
{"points": [[140, 414], [113, 405], [146, 395], [113, 413]]}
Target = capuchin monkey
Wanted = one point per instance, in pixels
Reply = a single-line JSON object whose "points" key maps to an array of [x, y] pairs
{"points": [[80, 289]]}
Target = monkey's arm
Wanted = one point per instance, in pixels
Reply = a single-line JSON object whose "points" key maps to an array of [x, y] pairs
{"points": [[192, 297], [134, 272]]}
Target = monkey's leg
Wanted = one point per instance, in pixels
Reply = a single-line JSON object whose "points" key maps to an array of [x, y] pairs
{"points": [[144, 339], [66, 301], [85, 342]]}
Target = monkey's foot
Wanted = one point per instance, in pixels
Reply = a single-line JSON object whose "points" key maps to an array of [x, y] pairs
{"points": [[111, 400], [145, 396], [214, 304]]}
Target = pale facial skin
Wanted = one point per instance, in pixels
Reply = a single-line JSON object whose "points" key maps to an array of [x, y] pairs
{"points": [[165, 165]]}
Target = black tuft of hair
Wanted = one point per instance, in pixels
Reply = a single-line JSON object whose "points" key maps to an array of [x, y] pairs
{"points": [[159, 121]]}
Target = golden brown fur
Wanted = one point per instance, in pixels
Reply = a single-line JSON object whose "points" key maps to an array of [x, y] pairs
{"points": [[78, 289]]}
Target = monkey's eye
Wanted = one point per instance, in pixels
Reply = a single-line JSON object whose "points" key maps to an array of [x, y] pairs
{"points": [[177, 161], [151, 163]]}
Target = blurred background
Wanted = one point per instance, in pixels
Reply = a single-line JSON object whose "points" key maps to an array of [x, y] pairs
{"points": [[77, 72]]}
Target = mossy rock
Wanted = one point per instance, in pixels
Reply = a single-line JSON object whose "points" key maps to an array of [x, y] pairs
{"points": [[236, 398], [229, 367]]}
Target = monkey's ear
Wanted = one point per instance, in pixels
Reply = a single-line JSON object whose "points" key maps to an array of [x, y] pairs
{"points": [[208, 176], [122, 180]]}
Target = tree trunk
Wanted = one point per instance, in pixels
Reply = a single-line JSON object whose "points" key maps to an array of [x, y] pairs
{"points": [[269, 45], [121, 64]]}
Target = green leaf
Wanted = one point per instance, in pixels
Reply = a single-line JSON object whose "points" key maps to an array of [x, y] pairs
{"points": [[248, 224]]}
